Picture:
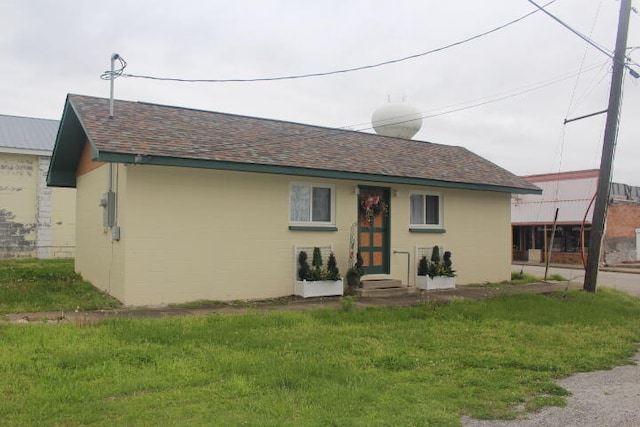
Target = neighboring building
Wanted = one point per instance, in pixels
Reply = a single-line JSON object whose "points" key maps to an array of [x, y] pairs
{"points": [[204, 205], [572, 194], [35, 221]]}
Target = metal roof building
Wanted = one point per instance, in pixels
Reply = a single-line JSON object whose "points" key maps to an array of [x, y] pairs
{"points": [[569, 192], [27, 135], [35, 221]]}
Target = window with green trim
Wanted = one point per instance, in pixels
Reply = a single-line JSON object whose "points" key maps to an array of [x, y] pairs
{"points": [[311, 204], [425, 210]]}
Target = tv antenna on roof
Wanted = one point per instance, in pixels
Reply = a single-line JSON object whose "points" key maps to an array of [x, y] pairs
{"points": [[111, 76]]}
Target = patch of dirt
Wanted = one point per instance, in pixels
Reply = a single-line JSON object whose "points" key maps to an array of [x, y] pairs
{"points": [[292, 303]]}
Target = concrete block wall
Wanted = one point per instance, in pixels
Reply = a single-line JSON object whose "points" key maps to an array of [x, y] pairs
{"points": [[35, 220], [43, 224]]}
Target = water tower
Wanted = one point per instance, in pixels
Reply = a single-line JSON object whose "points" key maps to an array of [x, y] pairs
{"points": [[397, 120]]}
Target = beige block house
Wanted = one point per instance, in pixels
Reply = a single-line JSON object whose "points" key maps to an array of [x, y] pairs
{"points": [[35, 221], [176, 205]]}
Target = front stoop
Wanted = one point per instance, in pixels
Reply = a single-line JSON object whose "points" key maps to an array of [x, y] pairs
{"points": [[383, 288], [381, 284]]}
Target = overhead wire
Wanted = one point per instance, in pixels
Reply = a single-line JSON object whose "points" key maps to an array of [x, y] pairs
{"points": [[582, 61], [490, 99], [109, 75], [340, 71], [600, 48], [560, 145], [453, 108], [320, 132]]}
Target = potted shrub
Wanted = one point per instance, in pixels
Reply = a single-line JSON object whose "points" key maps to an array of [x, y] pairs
{"points": [[315, 281], [355, 273], [436, 273]]}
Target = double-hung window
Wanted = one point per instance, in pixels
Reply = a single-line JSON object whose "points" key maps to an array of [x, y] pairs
{"points": [[311, 205], [425, 210]]}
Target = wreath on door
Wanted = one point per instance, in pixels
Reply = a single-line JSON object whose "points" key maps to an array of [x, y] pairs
{"points": [[372, 205]]}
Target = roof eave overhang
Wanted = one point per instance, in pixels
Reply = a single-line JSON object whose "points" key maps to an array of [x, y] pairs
{"points": [[549, 223], [103, 156], [26, 151], [67, 150]]}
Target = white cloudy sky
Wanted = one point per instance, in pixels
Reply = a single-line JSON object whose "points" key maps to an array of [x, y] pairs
{"points": [[54, 47]]}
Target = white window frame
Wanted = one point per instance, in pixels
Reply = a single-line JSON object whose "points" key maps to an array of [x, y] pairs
{"points": [[310, 222], [440, 223]]}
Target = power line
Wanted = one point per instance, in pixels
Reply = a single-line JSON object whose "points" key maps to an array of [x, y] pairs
{"points": [[607, 52], [574, 31], [489, 99], [321, 134], [584, 57], [342, 71]]}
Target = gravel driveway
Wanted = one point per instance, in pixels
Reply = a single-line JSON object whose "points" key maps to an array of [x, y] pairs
{"points": [[599, 399]]}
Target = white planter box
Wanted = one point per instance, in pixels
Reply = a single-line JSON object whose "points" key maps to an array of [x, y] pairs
{"points": [[319, 288], [438, 282]]}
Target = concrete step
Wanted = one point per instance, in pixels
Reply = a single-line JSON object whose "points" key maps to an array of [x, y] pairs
{"points": [[381, 284], [384, 292]]}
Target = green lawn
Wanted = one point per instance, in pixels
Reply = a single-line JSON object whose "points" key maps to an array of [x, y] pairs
{"points": [[410, 366], [47, 285]]}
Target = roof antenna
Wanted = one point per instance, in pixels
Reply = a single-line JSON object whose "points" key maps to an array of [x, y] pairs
{"points": [[112, 77]]}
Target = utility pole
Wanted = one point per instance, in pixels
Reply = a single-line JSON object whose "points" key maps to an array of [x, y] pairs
{"points": [[608, 146]]}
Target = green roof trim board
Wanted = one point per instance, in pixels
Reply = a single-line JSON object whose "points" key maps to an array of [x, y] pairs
{"points": [[142, 133]]}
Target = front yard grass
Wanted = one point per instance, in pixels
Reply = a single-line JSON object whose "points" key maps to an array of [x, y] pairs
{"points": [[411, 366], [423, 365]]}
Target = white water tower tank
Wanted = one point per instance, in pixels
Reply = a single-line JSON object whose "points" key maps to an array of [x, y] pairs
{"points": [[397, 120]]}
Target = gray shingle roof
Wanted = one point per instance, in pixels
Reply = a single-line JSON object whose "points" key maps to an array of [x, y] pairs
{"points": [[157, 132], [27, 133]]}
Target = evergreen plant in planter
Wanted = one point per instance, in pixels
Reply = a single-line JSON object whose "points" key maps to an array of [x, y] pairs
{"points": [[355, 273], [318, 281], [436, 273]]}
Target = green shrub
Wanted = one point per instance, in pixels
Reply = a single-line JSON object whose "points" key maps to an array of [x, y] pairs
{"points": [[423, 266], [304, 271], [332, 267]]}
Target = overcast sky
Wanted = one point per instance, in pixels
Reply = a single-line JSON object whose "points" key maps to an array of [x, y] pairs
{"points": [[51, 48]]}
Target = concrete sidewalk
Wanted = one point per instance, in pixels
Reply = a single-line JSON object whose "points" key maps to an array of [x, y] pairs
{"points": [[286, 304], [633, 268]]}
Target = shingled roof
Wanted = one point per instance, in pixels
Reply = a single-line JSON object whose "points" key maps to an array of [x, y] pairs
{"points": [[165, 135]]}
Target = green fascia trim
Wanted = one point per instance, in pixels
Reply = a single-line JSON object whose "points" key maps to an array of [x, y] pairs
{"points": [[68, 148], [61, 178], [428, 230], [311, 228], [299, 171]]}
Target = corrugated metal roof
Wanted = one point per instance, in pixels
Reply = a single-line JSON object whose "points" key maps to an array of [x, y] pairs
{"points": [[543, 212], [624, 192], [27, 133], [570, 196]]}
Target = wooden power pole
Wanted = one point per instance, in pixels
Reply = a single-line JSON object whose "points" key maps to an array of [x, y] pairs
{"points": [[608, 146]]}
